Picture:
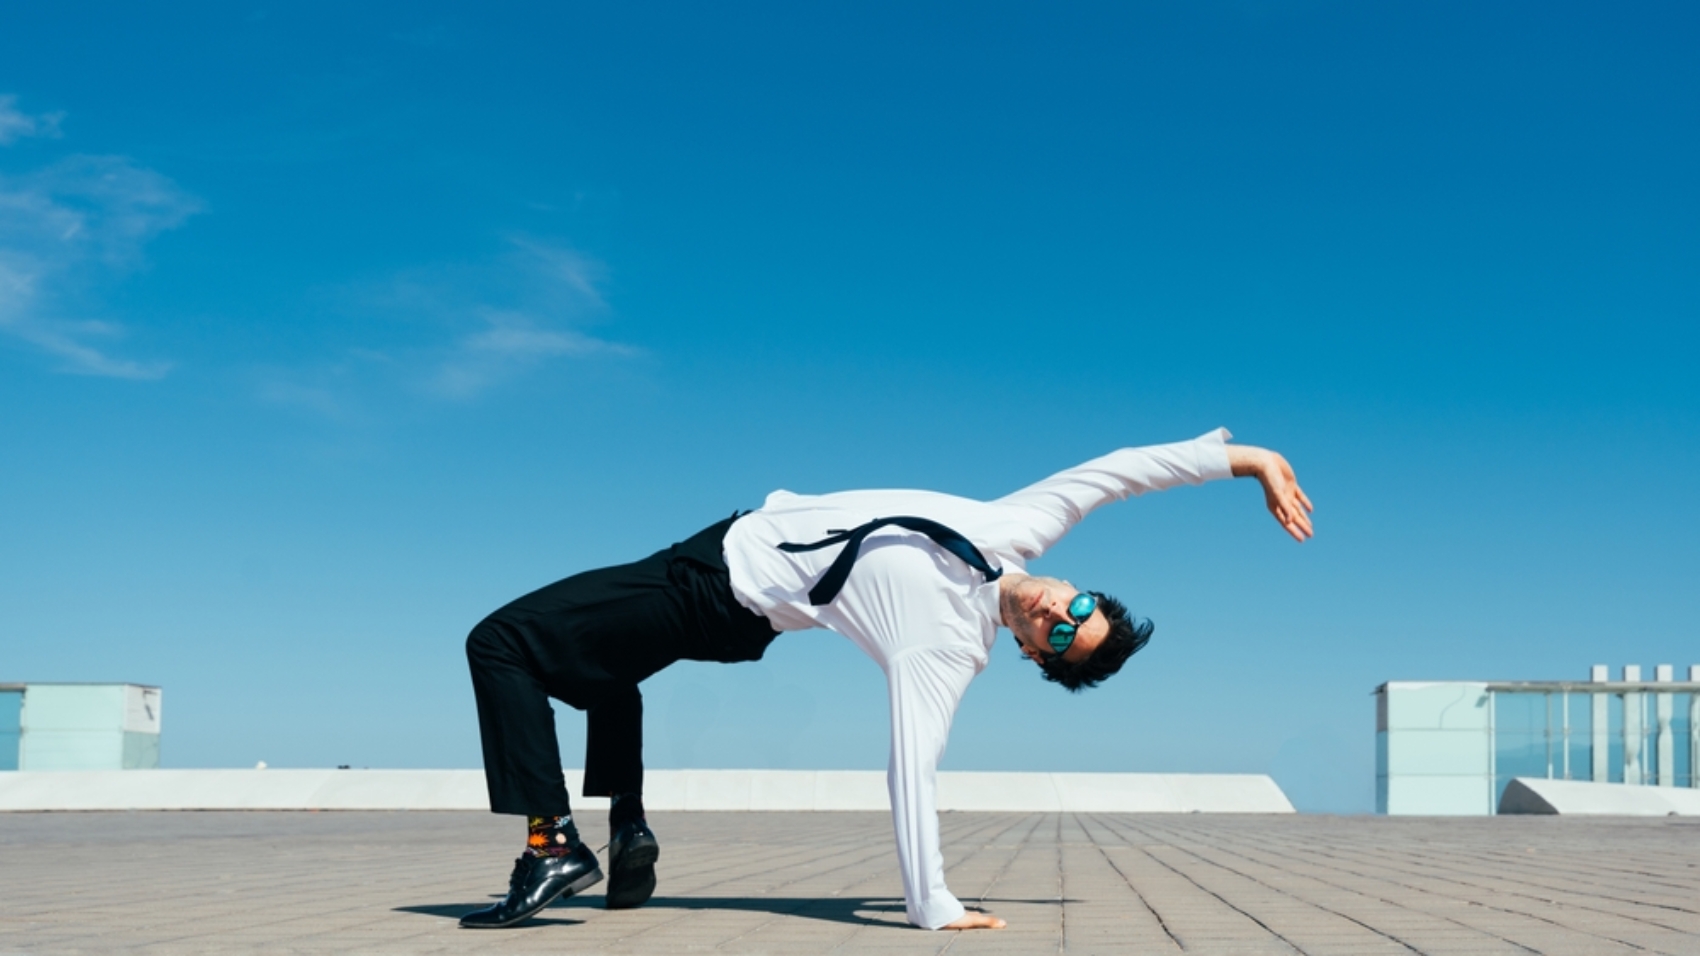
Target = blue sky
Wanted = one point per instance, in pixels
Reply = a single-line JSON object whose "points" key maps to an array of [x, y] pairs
{"points": [[325, 330]]}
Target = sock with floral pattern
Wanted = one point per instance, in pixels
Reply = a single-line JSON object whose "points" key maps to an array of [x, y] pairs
{"points": [[550, 836]]}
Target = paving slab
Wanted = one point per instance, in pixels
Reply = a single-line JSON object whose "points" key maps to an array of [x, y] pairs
{"points": [[774, 882]]}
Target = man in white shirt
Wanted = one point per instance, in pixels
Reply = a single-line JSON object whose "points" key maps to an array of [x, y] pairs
{"points": [[920, 581], [929, 619]]}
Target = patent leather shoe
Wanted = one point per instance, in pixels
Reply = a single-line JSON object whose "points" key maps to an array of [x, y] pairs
{"points": [[536, 882], [632, 852]]}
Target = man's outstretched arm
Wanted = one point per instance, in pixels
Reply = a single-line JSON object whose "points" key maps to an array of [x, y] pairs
{"points": [[1042, 513], [1281, 491]]}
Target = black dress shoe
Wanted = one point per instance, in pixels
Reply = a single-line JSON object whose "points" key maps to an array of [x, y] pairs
{"points": [[535, 883], [632, 852]]}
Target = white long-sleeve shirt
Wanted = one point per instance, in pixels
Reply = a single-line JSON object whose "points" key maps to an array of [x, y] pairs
{"points": [[923, 615]]}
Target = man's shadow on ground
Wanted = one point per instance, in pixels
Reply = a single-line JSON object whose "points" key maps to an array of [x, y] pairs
{"points": [[855, 910]]}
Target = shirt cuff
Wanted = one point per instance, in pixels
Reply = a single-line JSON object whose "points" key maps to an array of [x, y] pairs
{"points": [[1213, 454]]}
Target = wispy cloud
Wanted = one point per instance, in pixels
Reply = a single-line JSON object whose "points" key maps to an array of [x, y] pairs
{"points": [[458, 331], [290, 392], [63, 228], [16, 124], [69, 340], [582, 275], [509, 344], [531, 313]]}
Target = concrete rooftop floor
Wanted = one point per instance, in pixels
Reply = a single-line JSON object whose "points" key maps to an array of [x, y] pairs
{"points": [[367, 882]]}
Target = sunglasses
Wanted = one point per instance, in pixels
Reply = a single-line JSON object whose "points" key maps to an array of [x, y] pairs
{"points": [[1062, 635]]}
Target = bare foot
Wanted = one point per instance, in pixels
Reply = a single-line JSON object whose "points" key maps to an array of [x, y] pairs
{"points": [[973, 920]]}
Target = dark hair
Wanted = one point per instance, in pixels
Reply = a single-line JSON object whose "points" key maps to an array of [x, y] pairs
{"points": [[1127, 635]]}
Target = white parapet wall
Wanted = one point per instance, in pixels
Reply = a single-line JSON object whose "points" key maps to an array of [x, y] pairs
{"points": [[1434, 748], [663, 790], [1586, 798]]}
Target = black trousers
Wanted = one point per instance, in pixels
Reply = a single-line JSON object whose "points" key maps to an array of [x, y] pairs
{"points": [[588, 641]]}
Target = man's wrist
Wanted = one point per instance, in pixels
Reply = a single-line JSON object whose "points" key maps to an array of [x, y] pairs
{"points": [[1247, 461]]}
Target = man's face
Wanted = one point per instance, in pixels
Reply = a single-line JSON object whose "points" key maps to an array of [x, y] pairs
{"points": [[1034, 605]]}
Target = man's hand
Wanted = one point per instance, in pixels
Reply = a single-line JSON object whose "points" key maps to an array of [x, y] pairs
{"points": [[973, 920], [1281, 492]]}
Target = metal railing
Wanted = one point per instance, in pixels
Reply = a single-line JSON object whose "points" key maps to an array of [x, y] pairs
{"points": [[1630, 731]]}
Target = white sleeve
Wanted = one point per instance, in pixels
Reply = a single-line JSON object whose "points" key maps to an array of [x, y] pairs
{"points": [[926, 685], [1050, 508]]}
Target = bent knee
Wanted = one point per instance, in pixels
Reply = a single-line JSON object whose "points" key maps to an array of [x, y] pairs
{"points": [[488, 641]]}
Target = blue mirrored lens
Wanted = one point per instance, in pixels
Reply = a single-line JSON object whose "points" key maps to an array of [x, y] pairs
{"points": [[1082, 606], [1062, 637]]}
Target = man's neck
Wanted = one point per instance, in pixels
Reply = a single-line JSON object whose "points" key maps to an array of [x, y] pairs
{"points": [[1006, 595]]}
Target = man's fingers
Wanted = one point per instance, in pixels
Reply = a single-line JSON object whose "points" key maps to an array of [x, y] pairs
{"points": [[1295, 521], [1287, 501], [1302, 520]]}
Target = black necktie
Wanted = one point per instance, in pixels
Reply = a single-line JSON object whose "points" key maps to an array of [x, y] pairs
{"points": [[833, 580]]}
